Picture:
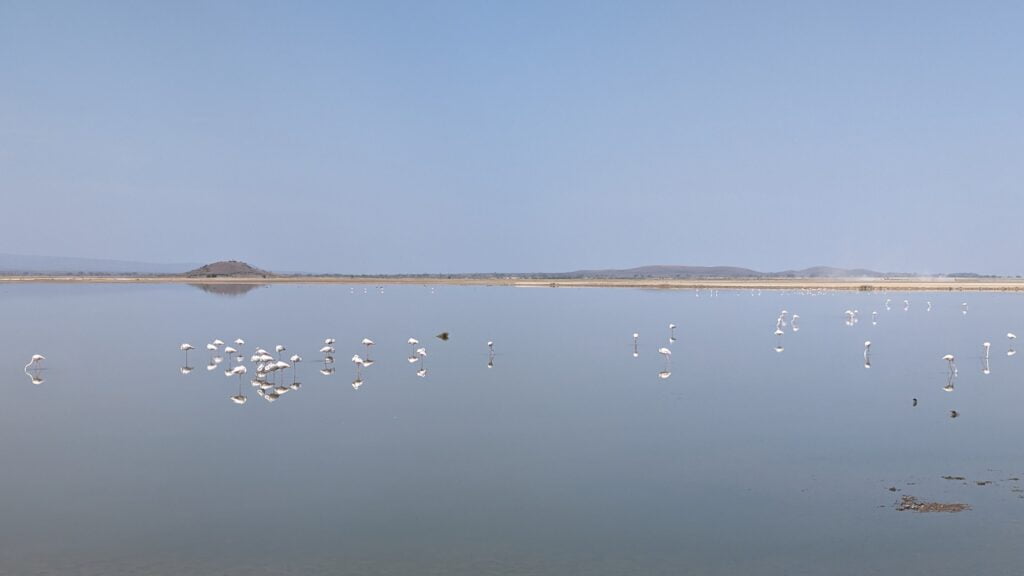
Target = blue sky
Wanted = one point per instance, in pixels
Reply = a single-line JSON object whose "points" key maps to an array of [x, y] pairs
{"points": [[388, 137]]}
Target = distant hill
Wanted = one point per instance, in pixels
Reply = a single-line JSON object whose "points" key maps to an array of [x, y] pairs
{"points": [[228, 269], [13, 264], [724, 272]]}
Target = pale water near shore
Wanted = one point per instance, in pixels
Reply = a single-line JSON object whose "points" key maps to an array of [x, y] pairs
{"points": [[568, 456]]}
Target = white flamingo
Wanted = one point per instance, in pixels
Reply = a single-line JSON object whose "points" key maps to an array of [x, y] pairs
{"points": [[951, 360]]}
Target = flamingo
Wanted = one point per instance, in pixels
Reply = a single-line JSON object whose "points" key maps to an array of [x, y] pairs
{"points": [[422, 354], [636, 336], [667, 355], [359, 365], [367, 342], [952, 362], [279, 348], [671, 333], [36, 363]]}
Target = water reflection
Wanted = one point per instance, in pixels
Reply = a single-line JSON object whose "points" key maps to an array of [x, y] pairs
{"points": [[949, 382], [227, 289]]}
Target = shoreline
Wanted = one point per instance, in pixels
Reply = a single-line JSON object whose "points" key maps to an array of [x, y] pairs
{"points": [[853, 284]]}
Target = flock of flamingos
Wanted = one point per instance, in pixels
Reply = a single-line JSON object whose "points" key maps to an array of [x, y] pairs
{"points": [[270, 383], [268, 367]]}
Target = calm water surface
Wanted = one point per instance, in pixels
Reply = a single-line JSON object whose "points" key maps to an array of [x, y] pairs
{"points": [[568, 456]]}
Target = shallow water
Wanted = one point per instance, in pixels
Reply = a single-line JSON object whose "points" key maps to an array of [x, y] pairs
{"points": [[568, 456]]}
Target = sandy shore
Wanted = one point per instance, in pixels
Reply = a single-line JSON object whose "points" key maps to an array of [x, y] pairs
{"points": [[887, 284]]}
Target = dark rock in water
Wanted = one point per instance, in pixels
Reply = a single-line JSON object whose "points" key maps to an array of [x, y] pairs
{"points": [[443, 335]]}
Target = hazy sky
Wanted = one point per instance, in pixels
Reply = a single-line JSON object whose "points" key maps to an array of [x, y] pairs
{"points": [[515, 136]]}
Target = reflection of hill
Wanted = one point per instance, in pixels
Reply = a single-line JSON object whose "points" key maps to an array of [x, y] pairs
{"points": [[228, 289]]}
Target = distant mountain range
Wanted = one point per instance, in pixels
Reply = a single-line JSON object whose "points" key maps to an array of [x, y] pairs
{"points": [[24, 264], [14, 264], [729, 272]]}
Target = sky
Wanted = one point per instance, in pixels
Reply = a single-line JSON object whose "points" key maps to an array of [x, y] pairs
{"points": [[446, 137]]}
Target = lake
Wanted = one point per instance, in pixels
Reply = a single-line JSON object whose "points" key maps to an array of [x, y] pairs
{"points": [[559, 453]]}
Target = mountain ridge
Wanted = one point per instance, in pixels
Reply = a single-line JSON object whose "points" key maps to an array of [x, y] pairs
{"points": [[677, 271]]}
